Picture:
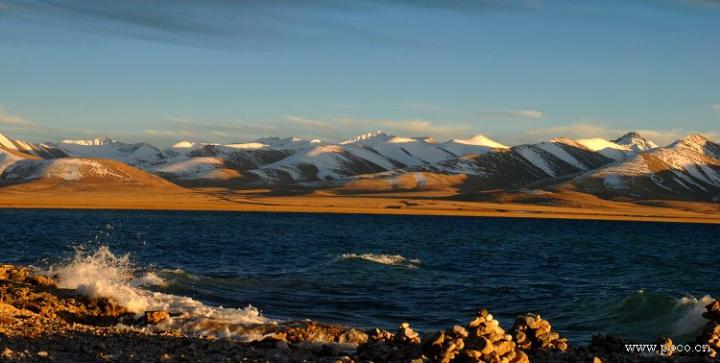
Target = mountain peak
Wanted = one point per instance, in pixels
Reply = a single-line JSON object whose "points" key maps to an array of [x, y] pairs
{"points": [[695, 138], [635, 141], [184, 144], [7, 142], [370, 137], [698, 143], [480, 140], [98, 141]]}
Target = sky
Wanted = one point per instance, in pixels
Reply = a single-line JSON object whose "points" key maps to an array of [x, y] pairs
{"points": [[518, 71]]}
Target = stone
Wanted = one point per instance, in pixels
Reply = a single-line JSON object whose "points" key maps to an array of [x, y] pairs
{"points": [[156, 317], [42, 280], [459, 331]]}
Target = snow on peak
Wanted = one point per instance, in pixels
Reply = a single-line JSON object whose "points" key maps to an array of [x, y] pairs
{"points": [[7, 142], [635, 142], [400, 140], [698, 143], [185, 144], [597, 144], [480, 140], [99, 141], [369, 138], [247, 145]]}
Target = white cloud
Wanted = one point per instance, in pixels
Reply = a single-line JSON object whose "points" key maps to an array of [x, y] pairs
{"points": [[512, 114], [308, 122], [716, 107], [167, 133], [419, 127], [15, 121]]}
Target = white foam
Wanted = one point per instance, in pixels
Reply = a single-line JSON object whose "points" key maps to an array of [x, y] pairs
{"points": [[384, 259], [692, 320], [102, 274]]}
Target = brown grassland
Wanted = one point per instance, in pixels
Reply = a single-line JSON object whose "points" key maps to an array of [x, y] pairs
{"points": [[566, 205]]}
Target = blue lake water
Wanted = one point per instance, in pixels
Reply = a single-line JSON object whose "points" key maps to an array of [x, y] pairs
{"points": [[634, 280]]}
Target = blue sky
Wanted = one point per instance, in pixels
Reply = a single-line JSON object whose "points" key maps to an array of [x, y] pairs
{"points": [[234, 70]]}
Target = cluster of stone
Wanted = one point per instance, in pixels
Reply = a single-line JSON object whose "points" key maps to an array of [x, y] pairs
{"points": [[711, 333], [532, 332], [385, 346], [483, 341]]}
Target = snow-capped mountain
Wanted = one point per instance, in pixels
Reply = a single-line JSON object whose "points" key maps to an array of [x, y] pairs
{"points": [[191, 161], [40, 150], [630, 166], [687, 169], [635, 142], [519, 166], [475, 145], [620, 149], [374, 152], [141, 154], [74, 173]]}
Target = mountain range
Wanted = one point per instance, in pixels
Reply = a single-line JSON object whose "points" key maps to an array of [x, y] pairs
{"points": [[629, 167]]}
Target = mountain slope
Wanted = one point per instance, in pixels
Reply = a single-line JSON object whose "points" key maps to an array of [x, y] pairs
{"points": [[40, 150], [139, 154], [75, 174], [374, 152], [191, 163], [511, 168], [635, 142], [687, 169]]}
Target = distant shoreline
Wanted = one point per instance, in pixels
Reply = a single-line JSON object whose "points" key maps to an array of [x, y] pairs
{"points": [[334, 204]]}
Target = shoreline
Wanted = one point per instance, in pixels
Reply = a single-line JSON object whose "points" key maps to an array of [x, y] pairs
{"points": [[360, 204], [42, 322]]}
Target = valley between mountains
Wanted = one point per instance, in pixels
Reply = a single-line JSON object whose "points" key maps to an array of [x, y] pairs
{"points": [[629, 178]]}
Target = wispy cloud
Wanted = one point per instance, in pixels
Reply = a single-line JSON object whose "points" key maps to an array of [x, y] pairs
{"points": [[203, 23], [716, 107], [15, 121], [302, 121], [418, 127], [511, 115], [174, 129]]}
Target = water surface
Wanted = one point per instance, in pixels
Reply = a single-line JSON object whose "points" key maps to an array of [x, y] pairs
{"points": [[635, 280]]}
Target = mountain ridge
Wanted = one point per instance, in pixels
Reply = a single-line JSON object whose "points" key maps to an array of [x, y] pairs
{"points": [[630, 166]]}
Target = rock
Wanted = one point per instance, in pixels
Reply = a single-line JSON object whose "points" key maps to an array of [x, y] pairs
{"points": [[43, 354], [711, 332], [41, 280], [520, 357], [533, 332], [381, 346], [353, 336], [405, 335], [156, 317], [666, 347]]}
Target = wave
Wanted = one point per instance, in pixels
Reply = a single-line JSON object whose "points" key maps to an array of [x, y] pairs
{"points": [[103, 274], [657, 314], [383, 259], [691, 321]]}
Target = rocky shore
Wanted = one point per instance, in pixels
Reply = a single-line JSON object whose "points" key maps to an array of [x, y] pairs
{"points": [[40, 322]]}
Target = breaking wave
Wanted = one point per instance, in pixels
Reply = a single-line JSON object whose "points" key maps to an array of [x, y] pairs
{"points": [[659, 314], [103, 274], [383, 259], [691, 321]]}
